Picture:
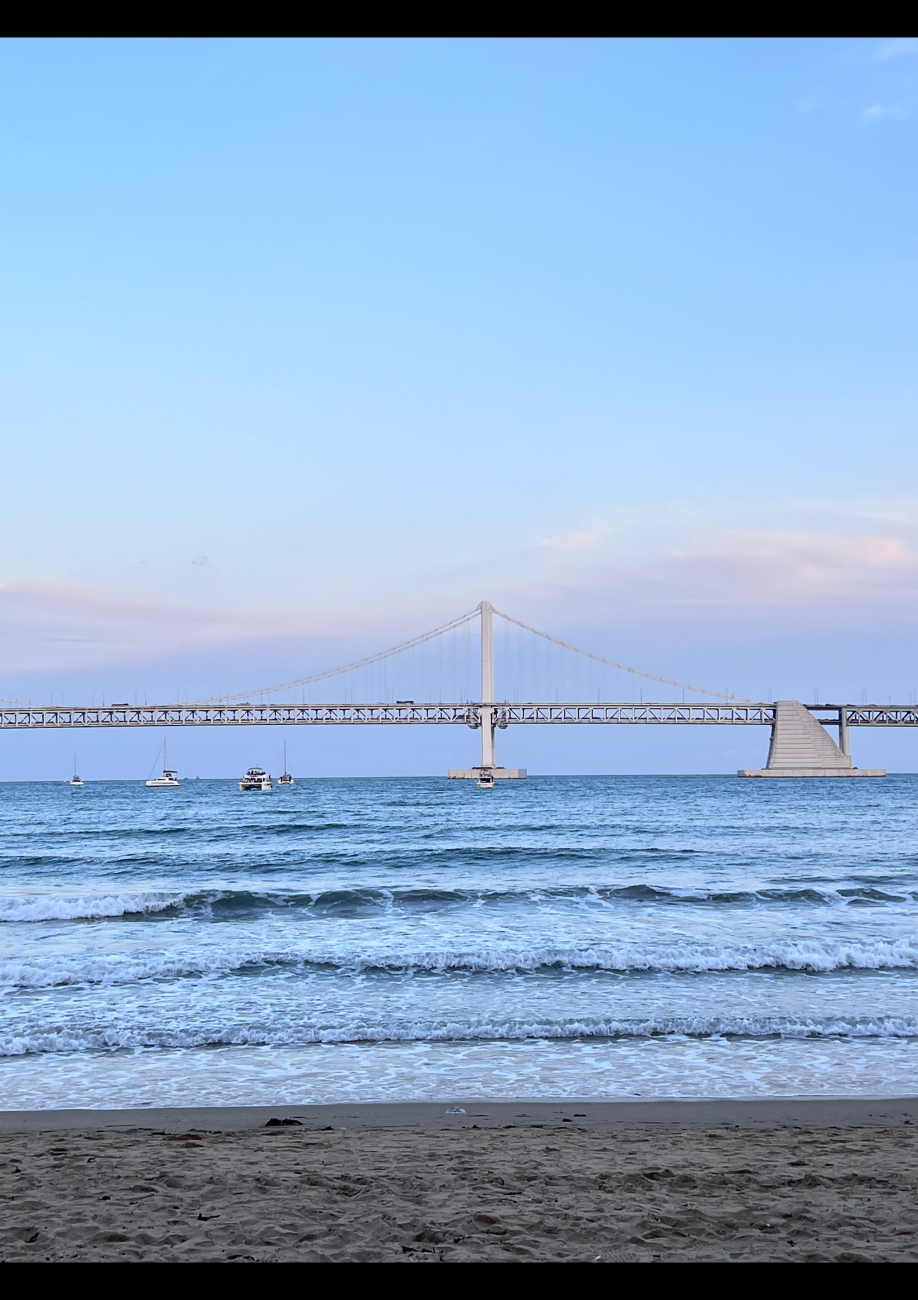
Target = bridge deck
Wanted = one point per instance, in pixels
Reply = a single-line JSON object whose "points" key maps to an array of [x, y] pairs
{"points": [[48, 717]]}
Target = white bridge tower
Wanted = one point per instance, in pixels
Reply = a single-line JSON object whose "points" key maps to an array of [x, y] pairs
{"points": [[488, 712]]}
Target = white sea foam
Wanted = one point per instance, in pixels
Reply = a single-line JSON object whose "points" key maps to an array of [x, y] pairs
{"points": [[358, 1072], [132, 1037], [130, 968], [48, 907], [60, 907]]}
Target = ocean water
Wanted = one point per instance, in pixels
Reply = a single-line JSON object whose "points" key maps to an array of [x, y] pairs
{"points": [[405, 939]]}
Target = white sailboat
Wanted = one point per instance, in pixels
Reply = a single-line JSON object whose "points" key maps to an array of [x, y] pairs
{"points": [[286, 779], [75, 779], [169, 778]]}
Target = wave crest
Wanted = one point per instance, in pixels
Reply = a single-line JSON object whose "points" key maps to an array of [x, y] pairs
{"points": [[227, 903], [807, 956], [132, 1038]]}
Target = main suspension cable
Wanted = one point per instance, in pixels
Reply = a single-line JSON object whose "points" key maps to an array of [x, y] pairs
{"points": [[347, 668], [667, 681]]}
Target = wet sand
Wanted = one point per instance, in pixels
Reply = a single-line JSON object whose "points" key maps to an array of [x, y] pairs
{"points": [[603, 1182]]}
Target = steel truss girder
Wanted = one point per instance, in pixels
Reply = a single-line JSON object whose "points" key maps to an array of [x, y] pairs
{"points": [[629, 714], [46, 718], [175, 715], [879, 715]]}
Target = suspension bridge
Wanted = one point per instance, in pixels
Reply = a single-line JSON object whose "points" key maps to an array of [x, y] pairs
{"points": [[800, 745]]}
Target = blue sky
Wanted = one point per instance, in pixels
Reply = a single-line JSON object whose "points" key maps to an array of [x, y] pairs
{"points": [[307, 346]]}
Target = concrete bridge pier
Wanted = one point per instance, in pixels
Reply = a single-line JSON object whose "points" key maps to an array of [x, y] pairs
{"points": [[801, 746]]}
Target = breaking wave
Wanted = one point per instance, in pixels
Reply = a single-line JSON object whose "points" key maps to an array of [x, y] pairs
{"points": [[109, 1038], [127, 968], [227, 903]]}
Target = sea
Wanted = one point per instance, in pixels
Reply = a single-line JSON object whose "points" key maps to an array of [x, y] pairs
{"points": [[389, 940]]}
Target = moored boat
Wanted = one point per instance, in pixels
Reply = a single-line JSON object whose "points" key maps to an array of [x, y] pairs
{"points": [[286, 779], [169, 779], [256, 778]]}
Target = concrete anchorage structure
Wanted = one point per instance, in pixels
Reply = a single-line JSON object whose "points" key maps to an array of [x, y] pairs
{"points": [[801, 746], [488, 716]]}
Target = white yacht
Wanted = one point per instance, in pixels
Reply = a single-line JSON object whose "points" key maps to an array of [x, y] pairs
{"points": [[76, 780], [485, 779], [256, 778], [169, 779], [286, 779]]}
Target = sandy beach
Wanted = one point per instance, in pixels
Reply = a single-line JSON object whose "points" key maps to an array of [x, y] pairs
{"points": [[601, 1182]]}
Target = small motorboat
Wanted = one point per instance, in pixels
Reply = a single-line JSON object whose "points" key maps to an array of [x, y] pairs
{"points": [[286, 779], [485, 779], [169, 779], [256, 778], [75, 779]]}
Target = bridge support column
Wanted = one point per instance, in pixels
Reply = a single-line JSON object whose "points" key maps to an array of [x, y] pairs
{"points": [[488, 755], [844, 743]]}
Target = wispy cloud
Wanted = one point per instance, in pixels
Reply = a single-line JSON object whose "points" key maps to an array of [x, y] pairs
{"points": [[581, 539], [50, 624], [815, 100], [838, 560], [789, 568], [876, 113], [47, 625], [895, 49], [696, 568]]}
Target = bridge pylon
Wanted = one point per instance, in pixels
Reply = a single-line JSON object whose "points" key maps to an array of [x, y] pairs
{"points": [[487, 712]]}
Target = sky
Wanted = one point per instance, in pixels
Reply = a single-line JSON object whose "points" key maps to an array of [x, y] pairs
{"points": [[307, 346]]}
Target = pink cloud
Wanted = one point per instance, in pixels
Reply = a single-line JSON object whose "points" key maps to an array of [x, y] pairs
{"points": [[49, 624], [581, 539], [734, 569], [760, 566]]}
